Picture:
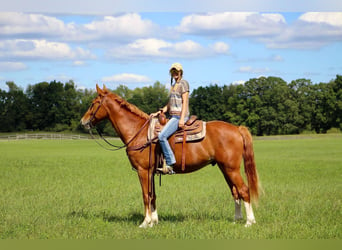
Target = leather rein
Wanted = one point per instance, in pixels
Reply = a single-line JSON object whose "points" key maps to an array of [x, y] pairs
{"points": [[126, 145]]}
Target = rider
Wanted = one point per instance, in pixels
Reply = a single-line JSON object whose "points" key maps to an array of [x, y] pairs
{"points": [[178, 108]]}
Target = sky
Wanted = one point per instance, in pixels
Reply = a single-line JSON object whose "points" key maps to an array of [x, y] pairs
{"points": [[134, 42]]}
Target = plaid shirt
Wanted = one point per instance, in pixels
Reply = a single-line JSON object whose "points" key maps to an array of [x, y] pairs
{"points": [[175, 102]]}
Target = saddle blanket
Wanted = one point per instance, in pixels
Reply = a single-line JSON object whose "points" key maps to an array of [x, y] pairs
{"points": [[194, 132]]}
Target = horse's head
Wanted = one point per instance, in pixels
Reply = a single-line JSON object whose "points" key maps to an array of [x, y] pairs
{"points": [[97, 111]]}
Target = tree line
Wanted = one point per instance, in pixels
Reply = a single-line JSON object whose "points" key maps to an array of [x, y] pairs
{"points": [[267, 105]]}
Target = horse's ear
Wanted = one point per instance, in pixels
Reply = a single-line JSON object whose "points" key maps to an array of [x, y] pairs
{"points": [[99, 90], [105, 88]]}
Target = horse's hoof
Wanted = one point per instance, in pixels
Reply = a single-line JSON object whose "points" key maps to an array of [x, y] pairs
{"points": [[143, 225], [146, 224], [238, 221], [250, 223]]}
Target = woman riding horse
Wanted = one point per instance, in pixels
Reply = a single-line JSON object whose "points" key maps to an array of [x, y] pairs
{"points": [[224, 145], [178, 107]]}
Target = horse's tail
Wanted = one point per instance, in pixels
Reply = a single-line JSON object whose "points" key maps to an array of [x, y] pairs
{"points": [[249, 163]]}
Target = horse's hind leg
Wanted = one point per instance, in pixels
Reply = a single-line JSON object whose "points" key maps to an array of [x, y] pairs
{"points": [[239, 191], [237, 200], [238, 213]]}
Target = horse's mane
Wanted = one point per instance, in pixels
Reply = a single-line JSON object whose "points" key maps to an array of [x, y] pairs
{"points": [[128, 106]]}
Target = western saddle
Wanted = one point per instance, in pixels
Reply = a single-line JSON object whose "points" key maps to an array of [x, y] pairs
{"points": [[194, 130]]}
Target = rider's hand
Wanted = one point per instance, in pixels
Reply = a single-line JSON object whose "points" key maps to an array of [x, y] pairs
{"points": [[181, 123], [155, 114]]}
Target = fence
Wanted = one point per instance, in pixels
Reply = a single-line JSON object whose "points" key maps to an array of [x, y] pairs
{"points": [[43, 136]]}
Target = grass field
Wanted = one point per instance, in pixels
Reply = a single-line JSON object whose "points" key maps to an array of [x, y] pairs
{"points": [[73, 189]]}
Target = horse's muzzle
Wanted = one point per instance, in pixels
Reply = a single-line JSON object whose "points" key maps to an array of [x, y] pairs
{"points": [[86, 124]]}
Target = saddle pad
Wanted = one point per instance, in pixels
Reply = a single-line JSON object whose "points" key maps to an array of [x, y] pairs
{"points": [[197, 131]]}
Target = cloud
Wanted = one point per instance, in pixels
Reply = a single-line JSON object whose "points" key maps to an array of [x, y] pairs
{"points": [[129, 36], [239, 82], [220, 48], [37, 26], [249, 69], [312, 30], [78, 63], [12, 66], [13, 24], [271, 58], [122, 27], [330, 18], [126, 78], [106, 6], [58, 77], [232, 24], [41, 49], [160, 49]]}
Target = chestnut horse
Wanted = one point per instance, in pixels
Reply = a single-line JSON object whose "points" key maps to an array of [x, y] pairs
{"points": [[224, 145]]}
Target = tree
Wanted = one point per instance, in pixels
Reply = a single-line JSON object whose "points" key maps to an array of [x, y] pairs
{"points": [[267, 105], [14, 111], [265, 99], [150, 99], [337, 88], [235, 111], [208, 103], [302, 90], [124, 92], [54, 105]]}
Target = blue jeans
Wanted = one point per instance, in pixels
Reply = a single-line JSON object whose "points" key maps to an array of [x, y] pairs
{"points": [[170, 128]]}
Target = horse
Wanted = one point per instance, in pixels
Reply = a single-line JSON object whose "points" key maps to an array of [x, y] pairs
{"points": [[224, 144]]}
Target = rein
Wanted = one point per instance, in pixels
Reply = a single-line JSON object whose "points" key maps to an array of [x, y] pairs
{"points": [[132, 148], [109, 149]]}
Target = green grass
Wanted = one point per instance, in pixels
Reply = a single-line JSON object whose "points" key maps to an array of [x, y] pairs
{"points": [[73, 189]]}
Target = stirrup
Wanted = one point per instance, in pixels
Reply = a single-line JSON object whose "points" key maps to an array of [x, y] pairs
{"points": [[166, 169]]}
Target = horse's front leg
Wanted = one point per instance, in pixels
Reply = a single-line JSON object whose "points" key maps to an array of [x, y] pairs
{"points": [[153, 203], [145, 182]]}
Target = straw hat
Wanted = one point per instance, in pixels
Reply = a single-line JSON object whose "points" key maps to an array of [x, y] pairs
{"points": [[176, 66]]}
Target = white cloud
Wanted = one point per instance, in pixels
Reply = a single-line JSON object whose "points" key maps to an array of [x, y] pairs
{"points": [[232, 24], [159, 49], [239, 82], [120, 27], [79, 63], [126, 78], [186, 48], [108, 6], [142, 47], [312, 30], [58, 77], [331, 18], [38, 26], [276, 58], [220, 47], [41, 49], [12, 66], [132, 37], [33, 25], [249, 69], [271, 58]]}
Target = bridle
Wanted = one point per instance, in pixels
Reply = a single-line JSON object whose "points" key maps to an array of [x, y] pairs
{"points": [[131, 148], [89, 123]]}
